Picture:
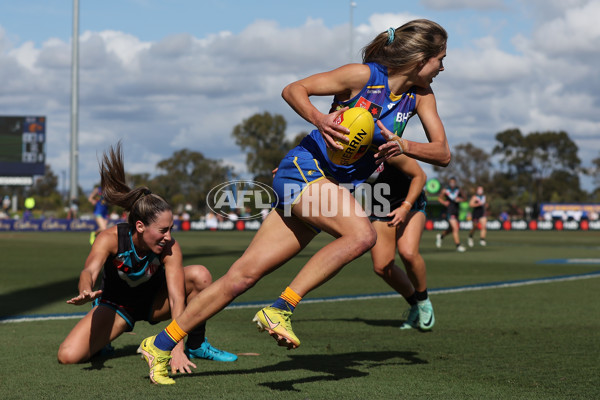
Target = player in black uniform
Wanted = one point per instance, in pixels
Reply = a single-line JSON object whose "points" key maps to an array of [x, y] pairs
{"points": [[143, 276], [399, 220], [451, 197], [479, 205]]}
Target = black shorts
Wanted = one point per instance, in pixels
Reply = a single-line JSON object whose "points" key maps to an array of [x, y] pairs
{"points": [[478, 212], [134, 305], [452, 210]]}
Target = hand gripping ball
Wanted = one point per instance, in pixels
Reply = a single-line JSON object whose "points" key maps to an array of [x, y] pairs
{"points": [[361, 125]]}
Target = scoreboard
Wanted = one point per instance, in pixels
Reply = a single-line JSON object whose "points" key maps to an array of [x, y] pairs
{"points": [[22, 147]]}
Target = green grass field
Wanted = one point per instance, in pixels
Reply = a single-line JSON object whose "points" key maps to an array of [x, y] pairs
{"points": [[532, 340]]}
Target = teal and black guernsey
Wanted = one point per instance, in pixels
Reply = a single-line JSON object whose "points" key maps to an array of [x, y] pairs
{"points": [[130, 281]]}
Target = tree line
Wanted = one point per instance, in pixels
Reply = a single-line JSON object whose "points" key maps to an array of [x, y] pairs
{"points": [[520, 172]]}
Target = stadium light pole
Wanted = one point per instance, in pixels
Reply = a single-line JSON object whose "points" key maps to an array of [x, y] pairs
{"points": [[352, 5], [74, 101]]}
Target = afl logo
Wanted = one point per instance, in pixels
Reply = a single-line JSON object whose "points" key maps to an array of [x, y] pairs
{"points": [[244, 197]]}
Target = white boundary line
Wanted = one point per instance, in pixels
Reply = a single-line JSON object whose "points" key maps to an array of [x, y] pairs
{"points": [[459, 289]]}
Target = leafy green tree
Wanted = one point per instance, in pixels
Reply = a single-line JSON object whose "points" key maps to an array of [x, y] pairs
{"points": [[262, 137], [470, 165], [188, 177], [594, 171], [563, 187], [136, 180], [539, 167], [45, 191]]}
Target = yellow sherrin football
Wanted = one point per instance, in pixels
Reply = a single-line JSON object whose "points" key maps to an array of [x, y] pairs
{"points": [[361, 124]]}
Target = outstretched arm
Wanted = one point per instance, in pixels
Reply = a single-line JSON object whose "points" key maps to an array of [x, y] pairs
{"points": [[104, 244]]}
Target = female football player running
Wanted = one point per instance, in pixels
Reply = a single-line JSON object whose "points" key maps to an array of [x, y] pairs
{"points": [[479, 204], [402, 229], [393, 83], [451, 197], [143, 276]]}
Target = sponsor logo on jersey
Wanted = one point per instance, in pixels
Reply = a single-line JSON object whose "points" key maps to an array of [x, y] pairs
{"points": [[374, 109], [375, 89], [403, 117]]}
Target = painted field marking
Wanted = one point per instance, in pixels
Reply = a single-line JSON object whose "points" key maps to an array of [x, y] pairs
{"points": [[457, 289]]}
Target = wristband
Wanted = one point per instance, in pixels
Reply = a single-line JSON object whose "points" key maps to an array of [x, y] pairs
{"points": [[407, 202]]}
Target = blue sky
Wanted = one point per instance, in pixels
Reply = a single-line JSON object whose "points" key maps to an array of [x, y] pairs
{"points": [[152, 20], [163, 75]]}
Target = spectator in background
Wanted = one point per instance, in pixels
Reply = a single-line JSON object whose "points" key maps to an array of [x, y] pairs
{"points": [[233, 216], [211, 221], [5, 207], [6, 204], [246, 213], [185, 216], [263, 213], [73, 209]]}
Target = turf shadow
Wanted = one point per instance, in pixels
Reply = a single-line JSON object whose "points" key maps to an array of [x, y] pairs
{"points": [[394, 323], [97, 361], [327, 368], [23, 300]]}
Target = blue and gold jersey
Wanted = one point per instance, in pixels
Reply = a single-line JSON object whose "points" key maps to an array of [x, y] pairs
{"points": [[101, 207], [394, 111]]}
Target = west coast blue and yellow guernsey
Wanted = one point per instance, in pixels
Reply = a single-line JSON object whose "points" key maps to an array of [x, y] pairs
{"points": [[308, 162]]}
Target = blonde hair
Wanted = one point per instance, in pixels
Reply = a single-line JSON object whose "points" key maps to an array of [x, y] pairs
{"points": [[404, 47], [140, 202]]}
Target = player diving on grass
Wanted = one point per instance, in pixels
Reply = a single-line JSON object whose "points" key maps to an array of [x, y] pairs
{"points": [[143, 276], [394, 83]]}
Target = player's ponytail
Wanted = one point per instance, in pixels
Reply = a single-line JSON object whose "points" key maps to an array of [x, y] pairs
{"points": [[404, 47], [140, 202]]}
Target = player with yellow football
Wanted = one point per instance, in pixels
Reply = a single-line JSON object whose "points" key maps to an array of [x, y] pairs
{"points": [[392, 84]]}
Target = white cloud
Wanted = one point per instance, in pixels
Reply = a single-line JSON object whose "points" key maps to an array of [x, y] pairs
{"points": [[463, 4], [576, 32], [485, 63], [545, 10], [26, 55], [184, 91]]}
